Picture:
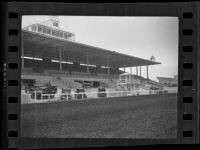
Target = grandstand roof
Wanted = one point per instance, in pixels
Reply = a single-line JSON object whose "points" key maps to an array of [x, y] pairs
{"points": [[166, 78], [43, 46]]}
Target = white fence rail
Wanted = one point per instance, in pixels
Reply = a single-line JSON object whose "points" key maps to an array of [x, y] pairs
{"points": [[39, 97]]}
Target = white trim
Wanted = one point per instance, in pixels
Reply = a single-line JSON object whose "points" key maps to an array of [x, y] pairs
{"points": [[27, 57], [37, 58]]}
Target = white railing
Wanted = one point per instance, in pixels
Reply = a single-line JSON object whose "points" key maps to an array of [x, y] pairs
{"points": [[85, 95], [43, 29]]}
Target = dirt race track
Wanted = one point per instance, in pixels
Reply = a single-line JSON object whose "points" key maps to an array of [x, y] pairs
{"points": [[153, 116]]}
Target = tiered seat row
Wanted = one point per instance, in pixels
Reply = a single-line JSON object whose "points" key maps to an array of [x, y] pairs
{"points": [[76, 67]]}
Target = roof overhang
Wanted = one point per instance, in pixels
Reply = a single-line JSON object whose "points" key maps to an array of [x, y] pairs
{"points": [[166, 78], [43, 46]]}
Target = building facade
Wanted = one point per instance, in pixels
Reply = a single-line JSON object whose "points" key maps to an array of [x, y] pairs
{"points": [[169, 82]]}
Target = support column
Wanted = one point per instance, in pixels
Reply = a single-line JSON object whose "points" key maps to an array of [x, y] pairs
{"points": [[148, 74], [60, 58], [87, 63], [124, 67], [137, 71], [140, 76], [22, 47], [108, 64], [36, 28], [131, 74]]}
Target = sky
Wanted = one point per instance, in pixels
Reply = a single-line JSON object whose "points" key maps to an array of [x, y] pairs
{"points": [[136, 36]]}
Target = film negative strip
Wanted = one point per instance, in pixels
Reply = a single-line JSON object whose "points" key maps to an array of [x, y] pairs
{"points": [[13, 81], [188, 79], [189, 83], [188, 71]]}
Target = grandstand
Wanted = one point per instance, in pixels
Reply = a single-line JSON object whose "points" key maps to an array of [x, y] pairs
{"points": [[51, 55], [170, 82]]}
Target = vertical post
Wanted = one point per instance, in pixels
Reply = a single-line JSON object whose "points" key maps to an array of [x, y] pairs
{"points": [[87, 62], [134, 82], [51, 31], [22, 47], [137, 71], [131, 74], [140, 76], [148, 75], [36, 28], [108, 64], [60, 58], [124, 66], [42, 29], [35, 96], [127, 81]]}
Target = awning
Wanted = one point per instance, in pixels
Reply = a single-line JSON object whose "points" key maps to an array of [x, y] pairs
{"points": [[43, 46]]}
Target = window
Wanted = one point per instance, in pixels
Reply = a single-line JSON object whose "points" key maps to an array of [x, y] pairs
{"points": [[53, 32], [34, 28], [57, 33], [61, 34], [44, 30], [48, 31], [39, 28], [65, 35], [55, 24]]}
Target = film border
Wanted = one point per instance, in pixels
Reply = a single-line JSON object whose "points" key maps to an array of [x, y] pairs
{"points": [[188, 130]]}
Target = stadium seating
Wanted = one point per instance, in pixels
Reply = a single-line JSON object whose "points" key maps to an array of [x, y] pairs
{"points": [[65, 78], [28, 63]]}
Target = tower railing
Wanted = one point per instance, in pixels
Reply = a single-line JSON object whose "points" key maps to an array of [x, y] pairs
{"points": [[39, 28]]}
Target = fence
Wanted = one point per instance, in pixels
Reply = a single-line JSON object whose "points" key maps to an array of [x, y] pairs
{"points": [[39, 97]]}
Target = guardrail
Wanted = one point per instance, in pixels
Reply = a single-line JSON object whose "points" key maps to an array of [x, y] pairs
{"points": [[39, 97]]}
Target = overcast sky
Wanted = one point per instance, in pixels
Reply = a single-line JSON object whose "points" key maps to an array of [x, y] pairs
{"points": [[136, 36]]}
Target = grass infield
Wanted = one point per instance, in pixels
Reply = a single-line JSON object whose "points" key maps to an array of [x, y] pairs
{"points": [[153, 116]]}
